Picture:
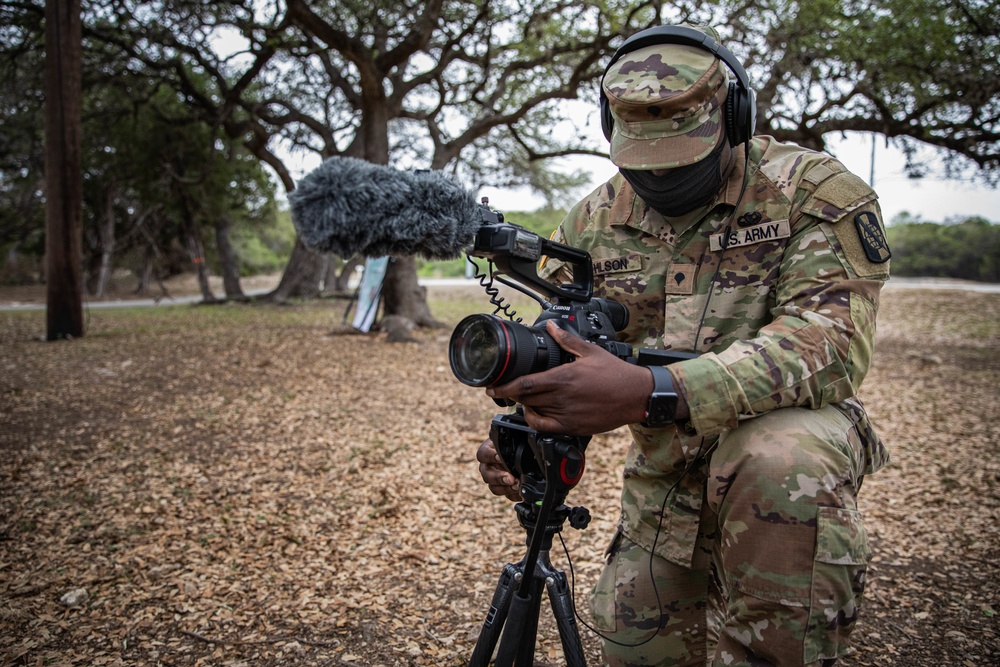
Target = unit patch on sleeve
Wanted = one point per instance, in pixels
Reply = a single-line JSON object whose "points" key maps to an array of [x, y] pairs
{"points": [[872, 237], [631, 262], [765, 231]]}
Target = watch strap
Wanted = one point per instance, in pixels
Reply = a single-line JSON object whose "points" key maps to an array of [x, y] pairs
{"points": [[663, 401]]}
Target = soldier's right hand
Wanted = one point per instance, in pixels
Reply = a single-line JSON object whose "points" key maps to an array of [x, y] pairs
{"points": [[495, 473]]}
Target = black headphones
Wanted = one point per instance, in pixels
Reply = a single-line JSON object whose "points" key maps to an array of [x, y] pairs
{"points": [[740, 109]]}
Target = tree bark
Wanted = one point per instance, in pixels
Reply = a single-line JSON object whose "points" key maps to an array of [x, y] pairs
{"points": [[342, 284], [301, 275], [404, 296], [229, 260], [145, 273], [64, 181]]}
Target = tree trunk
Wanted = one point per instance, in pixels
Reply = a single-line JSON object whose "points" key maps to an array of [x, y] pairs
{"points": [[301, 276], [403, 296], [145, 273], [197, 250], [106, 241], [342, 283], [64, 181], [149, 272], [229, 260]]}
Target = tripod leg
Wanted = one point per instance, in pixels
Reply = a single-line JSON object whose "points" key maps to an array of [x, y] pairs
{"points": [[562, 608], [495, 617], [517, 646], [529, 630]]}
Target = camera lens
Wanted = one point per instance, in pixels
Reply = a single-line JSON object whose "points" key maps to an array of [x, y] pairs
{"points": [[486, 350], [477, 350]]}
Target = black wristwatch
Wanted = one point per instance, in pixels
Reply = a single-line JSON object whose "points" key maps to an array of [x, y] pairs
{"points": [[663, 401]]}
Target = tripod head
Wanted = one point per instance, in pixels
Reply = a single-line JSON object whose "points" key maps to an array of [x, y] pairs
{"points": [[545, 464], [538, 459]]}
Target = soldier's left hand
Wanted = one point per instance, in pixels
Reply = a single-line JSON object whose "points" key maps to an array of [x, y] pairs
{"points": [[596, 392]]}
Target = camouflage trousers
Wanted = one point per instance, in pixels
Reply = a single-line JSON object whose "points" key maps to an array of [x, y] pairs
{"points": [[779, 566]]}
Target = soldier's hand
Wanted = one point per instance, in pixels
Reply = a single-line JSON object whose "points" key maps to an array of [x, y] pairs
{"points": [[495, 473], [594, 393]]}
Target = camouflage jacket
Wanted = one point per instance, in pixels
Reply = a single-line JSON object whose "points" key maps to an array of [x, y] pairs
{"points": [[786, 319]]}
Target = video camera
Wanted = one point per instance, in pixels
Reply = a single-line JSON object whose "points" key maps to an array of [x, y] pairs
{"points": [[487, 350]]}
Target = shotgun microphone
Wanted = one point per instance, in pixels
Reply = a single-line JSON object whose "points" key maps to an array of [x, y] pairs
{"points": [[348, 207]]}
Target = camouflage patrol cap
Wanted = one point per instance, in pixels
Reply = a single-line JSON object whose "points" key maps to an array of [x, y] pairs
{"points": [[667, 104]]}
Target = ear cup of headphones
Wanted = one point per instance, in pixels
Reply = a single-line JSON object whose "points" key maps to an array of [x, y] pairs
{"points": [[740, 114], [607, 120]]}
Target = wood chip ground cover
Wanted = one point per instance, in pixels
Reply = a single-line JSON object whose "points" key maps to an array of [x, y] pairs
{"points": [[253, 485]]}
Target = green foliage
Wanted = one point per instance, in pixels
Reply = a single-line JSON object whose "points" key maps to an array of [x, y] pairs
{"points": [[968, 250], [265, 248], [157, 172], [919, 72], [543, 222]]}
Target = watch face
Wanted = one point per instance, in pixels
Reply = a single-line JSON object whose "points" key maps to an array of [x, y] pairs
{"points": [[663, 408]]}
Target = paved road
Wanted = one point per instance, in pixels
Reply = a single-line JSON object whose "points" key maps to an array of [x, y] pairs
{"points": [[181, 300], [895, 283], [943, 283]]}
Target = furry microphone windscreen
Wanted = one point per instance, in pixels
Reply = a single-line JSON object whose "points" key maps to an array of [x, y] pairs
{"points": [[351, 207]]}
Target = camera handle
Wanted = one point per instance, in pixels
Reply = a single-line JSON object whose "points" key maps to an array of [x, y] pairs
{"points": [[517, 598]]}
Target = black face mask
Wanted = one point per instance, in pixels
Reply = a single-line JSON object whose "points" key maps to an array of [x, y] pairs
{"points": [[682, 189]]}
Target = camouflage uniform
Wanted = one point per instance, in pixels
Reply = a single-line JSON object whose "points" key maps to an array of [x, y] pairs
{"points": [[750, 510]]}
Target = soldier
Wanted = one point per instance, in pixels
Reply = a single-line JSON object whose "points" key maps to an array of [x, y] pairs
{"points": [[740, 541]]}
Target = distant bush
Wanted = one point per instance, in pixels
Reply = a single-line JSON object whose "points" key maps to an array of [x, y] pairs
{"points": [[265, 248], [968, 250]]}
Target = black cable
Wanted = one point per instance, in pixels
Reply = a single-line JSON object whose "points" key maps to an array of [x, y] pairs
{"points": [[725, 241], [486, 282], [523, 290], [659, 527]]}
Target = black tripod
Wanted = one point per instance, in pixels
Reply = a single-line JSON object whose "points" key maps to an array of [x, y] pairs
{"points": [[556, 465]]}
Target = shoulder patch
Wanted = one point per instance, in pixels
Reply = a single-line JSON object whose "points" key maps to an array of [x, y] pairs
{"points": [[863, 244], [872, 237]]}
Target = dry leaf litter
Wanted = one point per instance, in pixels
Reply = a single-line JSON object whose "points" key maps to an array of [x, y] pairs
{"points": [[255, 485]]}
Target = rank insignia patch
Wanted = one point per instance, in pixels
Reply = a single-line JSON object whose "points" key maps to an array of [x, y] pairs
{"points": [[872, 237], [680, 278]]}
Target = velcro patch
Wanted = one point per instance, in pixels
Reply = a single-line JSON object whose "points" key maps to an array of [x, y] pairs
{"points": [[872, 238], [859, 247], [767, 231], [628, 263], [680, 278]]}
